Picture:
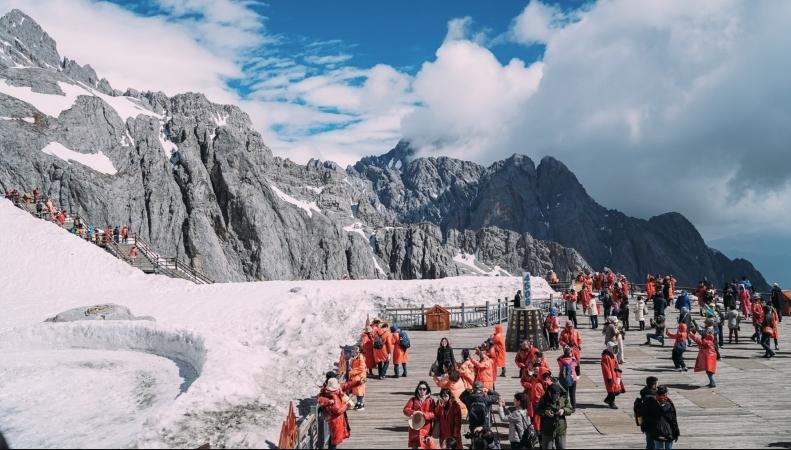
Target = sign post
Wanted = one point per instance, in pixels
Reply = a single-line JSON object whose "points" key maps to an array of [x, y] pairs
{"points": [[526, 290]]}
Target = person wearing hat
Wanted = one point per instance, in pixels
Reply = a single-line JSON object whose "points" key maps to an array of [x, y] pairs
{"points": [[744, 299], [707, 356], [466, 369], [568, 369], [335, 402], [367, 342], [593, 310], [479, 402], [358, 372], [768, 330], [448, 414], [380, 347], [661, 421], [420, 411], [611, 373], [525, 356], [571, 337], [553, 408]]}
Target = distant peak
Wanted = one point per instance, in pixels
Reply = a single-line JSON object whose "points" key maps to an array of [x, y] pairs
{"points": [[32, 42]]}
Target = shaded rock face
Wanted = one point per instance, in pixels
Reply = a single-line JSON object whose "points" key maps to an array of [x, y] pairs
{"points": [[514, 203], [196, 181]]}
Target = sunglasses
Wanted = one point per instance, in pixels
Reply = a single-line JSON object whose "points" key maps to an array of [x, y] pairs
{"points": [[422, 389]]}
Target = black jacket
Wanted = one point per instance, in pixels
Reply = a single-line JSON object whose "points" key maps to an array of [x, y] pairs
{"points": [[445, 358], [660, 304], [661, 420], [479, 418]]}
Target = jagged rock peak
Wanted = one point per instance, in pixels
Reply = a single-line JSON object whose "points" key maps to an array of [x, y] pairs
{"points": [[400, 156], [31, 45]]}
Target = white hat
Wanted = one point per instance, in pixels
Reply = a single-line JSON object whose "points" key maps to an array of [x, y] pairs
{"points": [[611, 344], [417, 420], [333, 385]]}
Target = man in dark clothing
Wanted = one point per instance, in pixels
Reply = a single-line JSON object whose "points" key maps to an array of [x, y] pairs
{"points": [[660, 304], [553, 408], [648, 391], [479, 405], [518, 300], [607, 302], [777, 301], [661, 419]]}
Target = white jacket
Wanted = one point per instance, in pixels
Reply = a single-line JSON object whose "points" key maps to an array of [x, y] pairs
{"points": [[593, 308], [641, 311]]}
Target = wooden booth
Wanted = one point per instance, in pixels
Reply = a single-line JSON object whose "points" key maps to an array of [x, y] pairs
{"points": [[437, 319]]}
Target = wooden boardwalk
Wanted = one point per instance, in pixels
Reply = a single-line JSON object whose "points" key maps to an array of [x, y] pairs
{"points": [[750, 408]]}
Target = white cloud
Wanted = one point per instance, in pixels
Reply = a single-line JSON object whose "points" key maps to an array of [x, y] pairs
{"points": [[327, 59], [537, 22]]}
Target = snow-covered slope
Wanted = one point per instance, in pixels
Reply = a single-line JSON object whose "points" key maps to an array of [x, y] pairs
{"points": [[255, 345]]}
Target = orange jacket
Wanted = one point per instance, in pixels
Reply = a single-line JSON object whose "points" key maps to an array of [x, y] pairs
{"points": [[449, 417], [380, 354], [484, 373], [368, 350], [400, 355], [456, 389], [610, 372], [499, 345], [358, 372], [467, 372]]}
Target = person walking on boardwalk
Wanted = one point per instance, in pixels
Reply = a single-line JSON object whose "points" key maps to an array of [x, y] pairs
{"points": [[744, 299], [553, 409], [388, 341], [661, 419], [380, 348], [521, 433], [400, 343], [445, 358], [500, 354], [448, 414], [680, 346], [768, 330], [358, 372], [707, 356], [593, 313], [367, 343], [484, 368], [452, 381], [659, 332], [611, 373], [571, 305], [420, 411], [648, 391], [552, 327], [525, 356], [640, 311], [571, 337], [568, 370], [778, 299], [734, 320], [758, 319]]}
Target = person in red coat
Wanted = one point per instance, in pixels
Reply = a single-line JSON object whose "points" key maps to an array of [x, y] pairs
{"points": [[707, 356], [611, 373], [367, 342], [570, 337], [485, 372], [498, 338], [334, 400], [448, 414], [380, 354], [421, 403], [758, 318], [525, 356], [400, 354]]}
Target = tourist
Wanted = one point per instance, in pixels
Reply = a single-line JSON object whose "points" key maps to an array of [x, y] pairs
{"points": [[619, 340], [479, 403], [380, 348], [367, 342], [647, 392], [125, 234], [534, 389], [778, 300], [466, 369], [679, 347], [571, 337], [758, 318], [116, 235], [640, 311], [593, 313], [498, 339], [707, 356], [661, 419], [607, 302], [448, 414], [571, 305], [388, 341], [525, 356], [623, 312], [400, 343], [518, 300], [452, 381], [484, 367], [611, 373], [744, 298], [659, 332], [660, 304], [357, 372], [767, 331], [682, 301], [521, 433], [334, 401], [420, 410], [734, 319], [445, 359], [568, 370], [553, 409], [610, 330], [133, 253], [552, 327]]}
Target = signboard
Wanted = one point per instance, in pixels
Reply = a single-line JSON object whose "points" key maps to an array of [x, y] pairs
{"points": [[526, 290], [525, 324]]}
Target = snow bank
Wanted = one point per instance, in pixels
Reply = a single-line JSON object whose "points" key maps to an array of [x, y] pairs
{"points": [[305, 206], [98, 161], [256, 346], [469, 262]]}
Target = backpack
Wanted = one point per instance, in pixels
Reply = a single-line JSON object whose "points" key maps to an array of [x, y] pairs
{"points": [[479, 413], [378, 343], [638, 410], [529, 438], [607, 301], [403, 339], [566, 379]]}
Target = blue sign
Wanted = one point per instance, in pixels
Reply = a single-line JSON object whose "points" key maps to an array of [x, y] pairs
{"points": [[526, 290]]}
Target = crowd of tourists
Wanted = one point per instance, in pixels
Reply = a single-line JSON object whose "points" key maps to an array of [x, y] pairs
{"points": [[466, 382]]}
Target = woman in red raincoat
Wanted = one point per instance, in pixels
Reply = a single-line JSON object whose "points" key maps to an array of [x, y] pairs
{"points": [[380, 354], [423, 403], [333, 400], [744, 299], [367, 342], [707, 356], [357, 372], [485, 372], [499, 348], [400, 356], [525, 356], [448, 414], [611, 373], [534, 389], [571, 337]]}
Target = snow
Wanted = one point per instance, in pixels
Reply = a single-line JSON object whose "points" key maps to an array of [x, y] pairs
{"points": [[168, 147], [97, 161], [253, 346], [127, 140], [398, 164], [356, 227], [221, 119], [469, 262], [317, 190], [378, 267], [29, 119], [307, 207], [54, 104]]}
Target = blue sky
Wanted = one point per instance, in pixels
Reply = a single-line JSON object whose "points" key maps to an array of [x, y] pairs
{"points": [[684, 105]]}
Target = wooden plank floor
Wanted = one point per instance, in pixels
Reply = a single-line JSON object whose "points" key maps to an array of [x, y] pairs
{"points": [[750, 408]]}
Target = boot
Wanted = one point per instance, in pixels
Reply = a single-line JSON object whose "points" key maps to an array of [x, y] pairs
{"points": [[403, 366], [502, 374]]}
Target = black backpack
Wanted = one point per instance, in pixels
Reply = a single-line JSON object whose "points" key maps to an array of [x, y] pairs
{"points": [[479, 414], [378, 344], [529, 438], [638, 409], [566, 379]]}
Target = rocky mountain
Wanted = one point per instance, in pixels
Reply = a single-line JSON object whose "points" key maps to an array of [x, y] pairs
{"points": [[194, 179], [514, 199]]}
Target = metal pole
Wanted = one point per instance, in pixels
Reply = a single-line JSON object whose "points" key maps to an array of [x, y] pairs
{"points": [[423, 315], [462, 315], [499, 311], [487, 313]]}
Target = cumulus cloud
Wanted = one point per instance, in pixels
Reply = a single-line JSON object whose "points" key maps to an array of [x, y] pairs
{"points": [[537, 23], [684, 106]]}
